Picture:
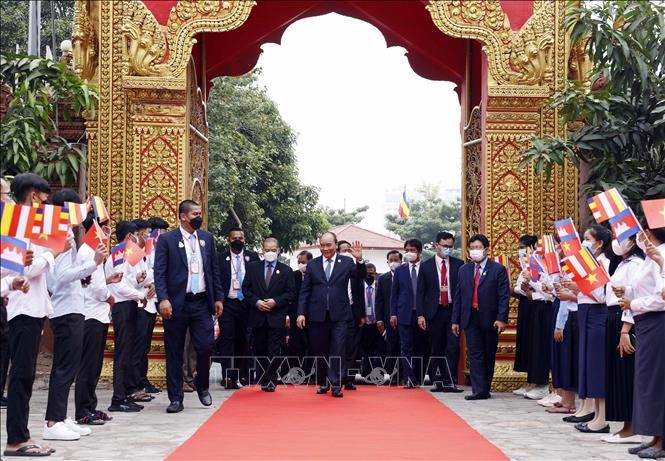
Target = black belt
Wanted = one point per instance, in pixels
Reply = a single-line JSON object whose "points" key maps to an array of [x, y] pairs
{"points": [[195, 297]]}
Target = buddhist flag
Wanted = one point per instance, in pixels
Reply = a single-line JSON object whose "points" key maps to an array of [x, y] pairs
{"points": [[95, 236], [12, 254], [654, 211], [570, 240], [606, 205], [117, 254], [625, 225], [550, 258], [133, 253], [16, 220], [403, 209], [504, 261], [77, 212], [586, 272], [49, 227], [99, 209]]}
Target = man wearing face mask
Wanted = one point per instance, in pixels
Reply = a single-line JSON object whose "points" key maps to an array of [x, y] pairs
{"points": [[372, 344], [384, 287], [297, 343], [436, 284], [403, 315], [189, 293], [357, 300], [233, 335], [269, 288], [480, 307]]}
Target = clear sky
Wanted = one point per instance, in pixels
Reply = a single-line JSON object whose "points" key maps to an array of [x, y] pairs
{"points": [[367, 124]]}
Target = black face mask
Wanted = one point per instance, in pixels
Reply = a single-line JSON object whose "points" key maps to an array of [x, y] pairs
{"points": [[196, 222], [237, 246], [369, 280]]}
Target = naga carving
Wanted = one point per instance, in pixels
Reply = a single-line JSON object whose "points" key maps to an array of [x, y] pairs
{"points": [[85, 39], [144, 46]]}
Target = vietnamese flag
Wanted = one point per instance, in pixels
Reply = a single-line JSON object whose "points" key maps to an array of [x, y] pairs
{"points": [[133, 253], [654, 211], [95, 236]]}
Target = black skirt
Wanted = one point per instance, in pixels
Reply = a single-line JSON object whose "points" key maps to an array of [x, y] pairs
{"points": [[565, 353], [540, 340], [524, 313], [619, 372]]}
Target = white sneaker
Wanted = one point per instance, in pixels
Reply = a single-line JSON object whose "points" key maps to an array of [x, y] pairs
{"points": [[614, 438], [59, 431], [521, 391], [550, 399], [537, 393], [76, 427]]}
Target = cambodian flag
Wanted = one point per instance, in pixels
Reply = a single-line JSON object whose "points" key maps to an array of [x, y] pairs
{"points": [[625, 225], [13, 254], [118, 254]]}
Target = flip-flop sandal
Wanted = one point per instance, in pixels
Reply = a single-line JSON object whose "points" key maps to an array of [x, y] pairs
{"points": [[24, 451], [561, 410]]}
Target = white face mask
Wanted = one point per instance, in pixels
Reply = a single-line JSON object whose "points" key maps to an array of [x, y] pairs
{"points": [[477, 255], [588, 244], [270, 256], [410, 257], [522, 253], [622, 248], [394, 265], [302, 267], [642, 245]]}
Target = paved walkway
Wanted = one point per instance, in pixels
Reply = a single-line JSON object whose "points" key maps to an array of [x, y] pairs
{"points": [[518, 426]]}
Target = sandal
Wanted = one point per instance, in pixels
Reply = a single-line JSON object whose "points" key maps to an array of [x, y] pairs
{"points": [[90, 420], [140, 396], [25, 451], [101, 415], [561, 409]]}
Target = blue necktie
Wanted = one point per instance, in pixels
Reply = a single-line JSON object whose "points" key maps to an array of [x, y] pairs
{"points": [[328, 268], [239, 277], [414, 283], [194, 260]]}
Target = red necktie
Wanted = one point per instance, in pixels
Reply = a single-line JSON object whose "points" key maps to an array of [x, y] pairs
{"points": [[444, 283], [476, 279]]}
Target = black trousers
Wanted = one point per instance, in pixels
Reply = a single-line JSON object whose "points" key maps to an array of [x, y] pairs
{"points": [[267, 344], [124, 315], [4, 345], [443, 344], [414, 350], [352, 351], [94, 343], [67, 349], [24, 335], [481, 343], [233, 339], [393, 349], [327, 341], [145, 325], [372, 346], [195, 316]]}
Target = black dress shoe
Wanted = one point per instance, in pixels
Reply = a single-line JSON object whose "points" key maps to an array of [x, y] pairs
{"points": [[454, 389], [583, 427], [175, 407], [579, 419], [124, 406], [322, 389], [204, 397], [337, 392], [270, 387], [231, 385], [350, 387], [477, 397], [437, 388], [409, 385]]}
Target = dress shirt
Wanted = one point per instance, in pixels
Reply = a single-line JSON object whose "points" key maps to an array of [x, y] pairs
{"points": [[537, 294], [598, 295], [96, 293], [36, 302], [7, 282], [126, 289], [439, 260], [647, 287], [624, 275], [151, 305], [233, 294], [189, 249], [370, 308]]}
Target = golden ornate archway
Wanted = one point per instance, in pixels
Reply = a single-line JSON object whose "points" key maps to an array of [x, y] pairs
{"points": [[148, 144]]}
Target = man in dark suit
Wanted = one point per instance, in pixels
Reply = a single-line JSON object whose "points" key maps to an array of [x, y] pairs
{"points": [[403, 314], [324, 302], [269, 289], [384, 287], [480, 307], [437, 281], [189, 294], [353, 335], [297, 344], [233, 333]]}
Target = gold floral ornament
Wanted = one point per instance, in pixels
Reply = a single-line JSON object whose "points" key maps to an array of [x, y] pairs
{"points": [[85, 39]]}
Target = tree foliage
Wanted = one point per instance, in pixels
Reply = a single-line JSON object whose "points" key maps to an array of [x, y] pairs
{"points": [[429, 216], [252, 168], [619, 128], [28, 139], [339, 217]]}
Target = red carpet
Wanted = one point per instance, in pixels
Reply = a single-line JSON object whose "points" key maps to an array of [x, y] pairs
{"points": [[370, 423]]}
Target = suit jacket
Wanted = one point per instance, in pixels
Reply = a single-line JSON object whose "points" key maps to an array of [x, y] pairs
{"points": [[225, 267], [171, 270], [358, 293], [281, 289], [402, 295], [429, 286], [384, 285], [318, 295], [297, 283], [493, 295]]}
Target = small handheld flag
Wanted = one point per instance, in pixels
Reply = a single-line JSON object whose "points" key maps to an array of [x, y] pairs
{"points": [[16, 220], [625, 225], [99, 209], [606, 205], [117, 254], [585, 271], [77, 212], [535, 267], [504, 261], [133, 253], [151, 241], [654, 211], [570, 240], [12, 254], [95, 236]]}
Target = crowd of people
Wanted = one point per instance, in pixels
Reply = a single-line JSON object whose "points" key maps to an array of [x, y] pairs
{"points": [[331, 318]]}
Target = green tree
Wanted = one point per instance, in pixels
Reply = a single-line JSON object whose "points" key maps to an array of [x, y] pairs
{"points": [[253, 177], [28, 139], [429, 215], [338, 217], [618, 123], [14, 24]]}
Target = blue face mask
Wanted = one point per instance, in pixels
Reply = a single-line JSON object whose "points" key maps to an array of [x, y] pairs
{"points": [[588, 244], [445, 252]]}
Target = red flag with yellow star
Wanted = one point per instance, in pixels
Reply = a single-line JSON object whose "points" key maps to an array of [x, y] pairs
{"points": [[585, 271], [95, 236], [133, 253], [654, 211]]}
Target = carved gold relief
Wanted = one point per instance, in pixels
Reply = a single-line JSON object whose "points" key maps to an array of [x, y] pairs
{"points": [[85, 38], [144, 45]]}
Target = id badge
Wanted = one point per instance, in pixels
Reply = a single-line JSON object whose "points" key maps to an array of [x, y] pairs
{"points": [[194, 267], [236, 284]]}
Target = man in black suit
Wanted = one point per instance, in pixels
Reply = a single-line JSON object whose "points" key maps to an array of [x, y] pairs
{"points": [[189, 294], [233, 334], [353, 335], [372, 344], [297, 344], [269, 289], [480, 307], [324, 302], [384, 287], [437, 281]]}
